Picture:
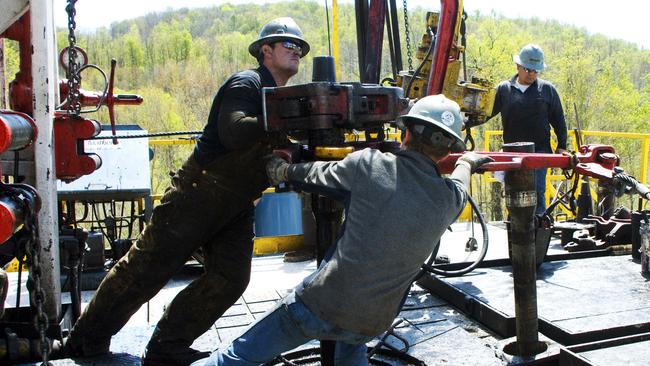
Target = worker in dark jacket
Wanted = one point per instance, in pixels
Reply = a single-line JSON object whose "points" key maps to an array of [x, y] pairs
{"points": [[209, 205], [397, 207], [529, 106]]}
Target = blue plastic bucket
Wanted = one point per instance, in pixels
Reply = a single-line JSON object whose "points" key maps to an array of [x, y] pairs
{"points": [[278, 214]]}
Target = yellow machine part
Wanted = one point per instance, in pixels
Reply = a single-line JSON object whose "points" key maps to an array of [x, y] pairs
{"points": [[325, 152], [277, 244], [13, 265], [466, 215], [432, 18], [419, 84], [475, 98], [423, 48]]}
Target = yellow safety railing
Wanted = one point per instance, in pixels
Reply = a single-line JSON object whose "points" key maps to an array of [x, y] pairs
{"points": [[167, 142], [644, 138]]}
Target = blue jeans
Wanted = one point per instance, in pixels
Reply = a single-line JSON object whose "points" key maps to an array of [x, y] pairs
{"points": [[540, 188], [287, 326]]}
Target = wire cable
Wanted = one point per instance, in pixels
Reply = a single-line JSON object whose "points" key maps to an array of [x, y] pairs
{"points": [[154, 134]]}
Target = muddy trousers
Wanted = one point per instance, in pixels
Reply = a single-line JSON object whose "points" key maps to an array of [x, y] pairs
{"points": [[195, 212]]}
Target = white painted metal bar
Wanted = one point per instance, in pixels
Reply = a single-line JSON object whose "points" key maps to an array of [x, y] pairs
{"points": [[45, 80]]}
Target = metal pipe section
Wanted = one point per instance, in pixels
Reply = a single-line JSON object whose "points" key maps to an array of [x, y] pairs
{"points": [[521, 201], [443, 45], [395, 41], [374, 41], [585, 207], [361, 17]]}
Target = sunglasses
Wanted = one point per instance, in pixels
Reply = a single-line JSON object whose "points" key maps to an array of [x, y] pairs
{"points": [[291, 46], [530, 70]]}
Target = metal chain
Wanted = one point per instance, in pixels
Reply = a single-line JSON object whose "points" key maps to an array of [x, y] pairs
{"points": [[74, 78], [37, 294], [407, 32]]}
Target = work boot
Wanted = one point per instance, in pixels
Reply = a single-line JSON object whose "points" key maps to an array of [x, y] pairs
{"points": [[301, 255], [85, 347], [177, 358]]}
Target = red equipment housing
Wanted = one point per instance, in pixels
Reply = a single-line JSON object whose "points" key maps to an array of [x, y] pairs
{"points": [[71, 160], [16, 203], [17, 130]]}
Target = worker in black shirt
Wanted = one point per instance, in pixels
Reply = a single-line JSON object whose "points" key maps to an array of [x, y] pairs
{"points": [[209, 205], [529, 106]]}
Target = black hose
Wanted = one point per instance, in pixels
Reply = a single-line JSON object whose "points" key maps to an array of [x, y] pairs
{"points": [[432, 268], [417, 70]]}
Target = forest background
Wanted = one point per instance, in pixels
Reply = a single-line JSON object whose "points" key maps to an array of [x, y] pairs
{"points": [[178, 59]]}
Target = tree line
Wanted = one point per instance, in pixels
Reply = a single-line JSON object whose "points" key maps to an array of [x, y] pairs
{"points": [[177, 60]]}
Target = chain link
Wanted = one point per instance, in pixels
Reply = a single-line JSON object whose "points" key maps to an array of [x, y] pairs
{"points": [[74, 78], [34, 285], [407, 32], [25, 196]]}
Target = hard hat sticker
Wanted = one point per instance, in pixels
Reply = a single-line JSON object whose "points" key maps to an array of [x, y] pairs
{"points": [[447, 118]]}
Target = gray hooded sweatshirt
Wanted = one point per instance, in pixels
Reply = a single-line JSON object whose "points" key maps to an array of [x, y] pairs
{"points": [[397, 206]]}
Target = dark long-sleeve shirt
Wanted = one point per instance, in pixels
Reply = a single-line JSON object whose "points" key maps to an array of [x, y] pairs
{"points": [[528, 116], [233, 122]]}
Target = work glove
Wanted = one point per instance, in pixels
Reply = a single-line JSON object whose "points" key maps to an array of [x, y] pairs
{"points": [[276, 169], [473, 161]]}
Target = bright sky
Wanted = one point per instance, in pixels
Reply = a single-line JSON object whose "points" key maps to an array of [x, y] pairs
{"points": [[623, 19]]}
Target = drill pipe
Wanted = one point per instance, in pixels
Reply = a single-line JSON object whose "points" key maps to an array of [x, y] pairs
{"points": [[521, 201]]}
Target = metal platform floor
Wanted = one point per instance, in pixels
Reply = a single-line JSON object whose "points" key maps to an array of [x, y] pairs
{"points": [[582, 297], [578, 300], [436, 332]]}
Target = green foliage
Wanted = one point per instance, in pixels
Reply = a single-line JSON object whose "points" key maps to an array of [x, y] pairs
{"points": [[12, 62], [606, 79], [178, 59]]}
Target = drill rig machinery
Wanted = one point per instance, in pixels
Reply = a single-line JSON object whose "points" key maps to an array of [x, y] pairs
{"points": [[439, 53]]}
